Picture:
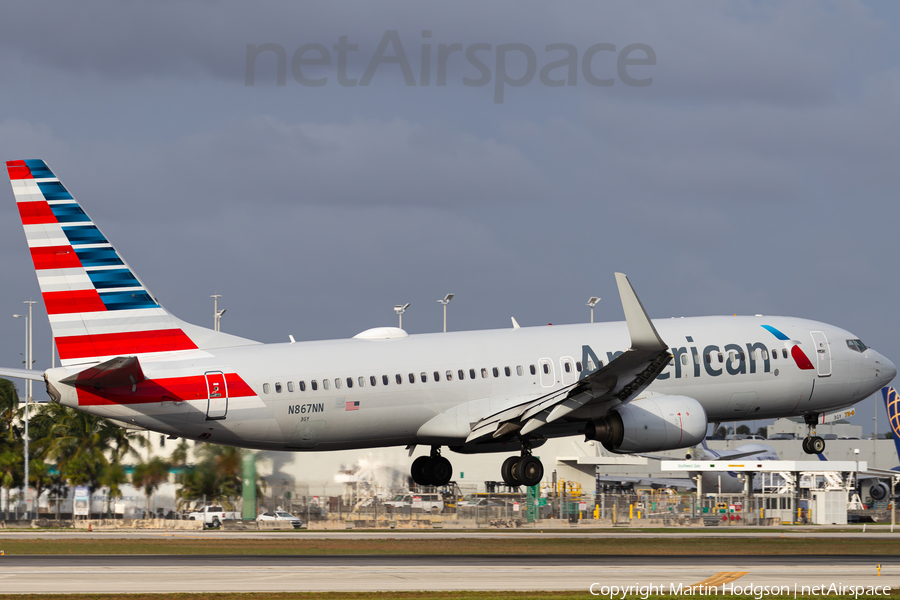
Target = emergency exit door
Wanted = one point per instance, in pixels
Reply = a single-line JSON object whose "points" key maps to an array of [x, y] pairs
{"points": [[217, 392]]}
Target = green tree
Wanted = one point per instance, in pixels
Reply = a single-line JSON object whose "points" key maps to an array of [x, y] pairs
{"points": [[763, 432], [743, 429], [112, 478], [149, 476]]}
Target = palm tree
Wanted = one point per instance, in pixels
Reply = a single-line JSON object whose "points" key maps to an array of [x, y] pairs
{"points": [[112, 477], [149, 476]]}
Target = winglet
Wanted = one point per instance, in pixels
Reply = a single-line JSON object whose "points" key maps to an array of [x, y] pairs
{"points": [[643, 333], [515, 323]]}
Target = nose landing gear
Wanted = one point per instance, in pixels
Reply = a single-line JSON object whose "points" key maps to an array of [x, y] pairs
{"points": [[432, 470], [812, 444], [524, 470]]}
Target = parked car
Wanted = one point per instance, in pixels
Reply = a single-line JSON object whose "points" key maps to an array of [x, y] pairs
{"points": [[433, 503], [212, 515], [280, 515], [782, 436]]}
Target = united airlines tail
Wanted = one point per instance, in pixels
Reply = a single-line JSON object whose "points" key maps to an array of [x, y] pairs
{"points": [[98, 307], [892, 404]]}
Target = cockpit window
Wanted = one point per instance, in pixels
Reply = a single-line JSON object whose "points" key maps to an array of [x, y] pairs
{"points": [[856, 345]]}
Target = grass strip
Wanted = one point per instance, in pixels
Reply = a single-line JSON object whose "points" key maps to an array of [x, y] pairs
{"points": [[176, 545]]}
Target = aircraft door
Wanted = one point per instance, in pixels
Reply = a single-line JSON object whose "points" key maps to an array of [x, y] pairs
{"points": [[547, 376], [823, 353], [217, 392]]}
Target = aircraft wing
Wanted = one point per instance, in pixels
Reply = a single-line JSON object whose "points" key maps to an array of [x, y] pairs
{"points": [[22, 374], [617, 382]]}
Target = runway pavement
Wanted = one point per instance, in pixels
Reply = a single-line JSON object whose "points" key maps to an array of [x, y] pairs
{"points": [[123, 574]]}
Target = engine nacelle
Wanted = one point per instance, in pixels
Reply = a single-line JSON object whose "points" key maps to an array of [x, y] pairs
{"points": [[650, 425]]}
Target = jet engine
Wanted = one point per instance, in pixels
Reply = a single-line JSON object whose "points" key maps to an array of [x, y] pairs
{"points": [[879, 491], [650, 425]]}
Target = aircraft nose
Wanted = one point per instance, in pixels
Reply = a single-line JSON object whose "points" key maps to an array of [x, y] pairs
{"points": [[889, 370]]}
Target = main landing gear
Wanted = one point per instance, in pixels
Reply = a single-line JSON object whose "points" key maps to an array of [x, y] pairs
{"points": [[432, 470], [524, 470], [812, 444]]}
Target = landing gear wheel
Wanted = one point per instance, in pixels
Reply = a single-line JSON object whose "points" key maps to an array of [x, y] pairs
{"points": [[805, 446], [507, 471], [441, 471], [421, 470], [816, 445], [529, 471]]}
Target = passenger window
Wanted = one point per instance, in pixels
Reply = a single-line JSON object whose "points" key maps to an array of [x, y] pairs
{"points": [[471, 373], [462, 374], [546, 368], [533, 370], [568, 367], [384, 379], [684, 359], [277, 387], [507, 371], [784, 352], [337, 383], [591, 364], [290, 386], [483, 373], [265, 388], [520, 371], [349, 382], [742, 356], [373, 380], [437, 376], [708, 358], [496, 372], [314, 385], [302, 385], [721, 358], [578, 366], [696, 359], [412, 378], [449, 375], [423, 377], [774, 354], [325, 384], [398, 378], [765, 353]]}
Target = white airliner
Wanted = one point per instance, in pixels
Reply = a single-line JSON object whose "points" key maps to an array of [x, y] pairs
{"points": [[127, 359]]}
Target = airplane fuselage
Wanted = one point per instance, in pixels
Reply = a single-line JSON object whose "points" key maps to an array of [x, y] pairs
{"points": [[431, 388]]}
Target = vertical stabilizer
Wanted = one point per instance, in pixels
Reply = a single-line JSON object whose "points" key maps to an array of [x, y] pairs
{"points": [[892, 404], [98, 307]]}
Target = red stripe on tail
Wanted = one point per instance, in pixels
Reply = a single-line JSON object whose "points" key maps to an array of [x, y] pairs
{"points": [[75, 301], [18, 169], [54, 257], [36, 213], [120, 344]]}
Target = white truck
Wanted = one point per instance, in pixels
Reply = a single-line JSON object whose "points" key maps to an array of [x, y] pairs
{"points": [[212, 515]]}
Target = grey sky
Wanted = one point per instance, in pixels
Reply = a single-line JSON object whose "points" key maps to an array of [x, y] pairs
{"points": [[757, 174]]}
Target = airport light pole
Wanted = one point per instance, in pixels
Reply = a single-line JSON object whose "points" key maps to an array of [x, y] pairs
{"points": [[445, 302], [592, 302], [217, 314], [400, 309], [29, 361]]}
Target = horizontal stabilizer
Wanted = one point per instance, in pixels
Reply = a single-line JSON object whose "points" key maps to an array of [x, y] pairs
{"points": [[116, 372], [22, 374]]}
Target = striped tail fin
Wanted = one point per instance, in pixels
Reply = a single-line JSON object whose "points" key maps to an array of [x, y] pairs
{"points": [[98, 307]]}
